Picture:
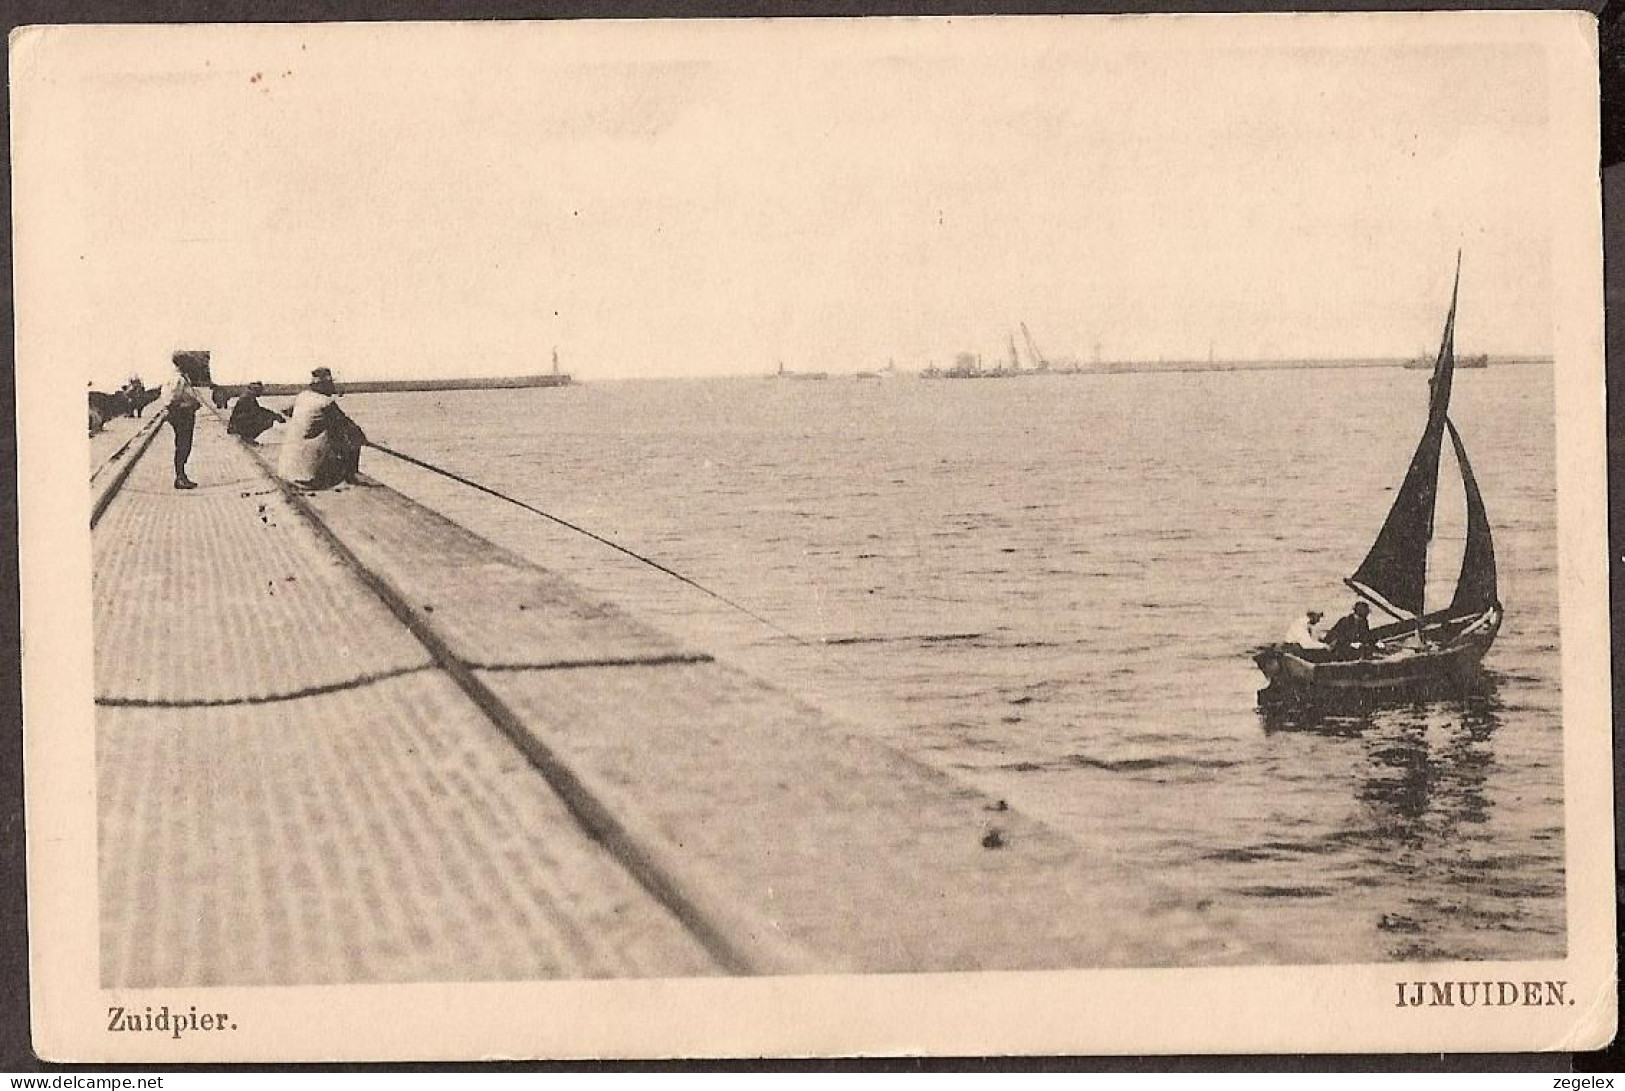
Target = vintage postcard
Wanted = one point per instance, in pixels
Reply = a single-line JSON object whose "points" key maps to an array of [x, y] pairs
{"points": [[773, 537]]}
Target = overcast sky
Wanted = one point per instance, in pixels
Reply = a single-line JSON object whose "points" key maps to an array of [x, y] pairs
{"points": [[665, 199]]}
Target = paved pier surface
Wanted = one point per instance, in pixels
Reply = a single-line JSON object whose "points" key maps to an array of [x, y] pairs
{"points": [[342, 739], [289, 793], [107, 443]]}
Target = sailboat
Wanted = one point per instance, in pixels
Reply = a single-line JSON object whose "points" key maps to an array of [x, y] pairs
{"points": [[1420, 649]]}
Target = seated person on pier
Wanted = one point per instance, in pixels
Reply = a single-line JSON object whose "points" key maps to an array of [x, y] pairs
{"points": [[1351, 636], [1302, 632], [323, 445], [249, 418]]}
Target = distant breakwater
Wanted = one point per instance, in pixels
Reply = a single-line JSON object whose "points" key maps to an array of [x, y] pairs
{"points": [[396, 386]]}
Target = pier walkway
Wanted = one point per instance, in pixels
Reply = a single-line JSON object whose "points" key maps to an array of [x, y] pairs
{"points": [[342, 739], [289, 793]]}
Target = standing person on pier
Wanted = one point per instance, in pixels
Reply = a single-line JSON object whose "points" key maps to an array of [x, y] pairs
{"points": [[181, 400], [323, 445]]}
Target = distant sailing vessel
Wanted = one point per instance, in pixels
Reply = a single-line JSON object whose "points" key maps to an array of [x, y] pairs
{"points": [[1419, 650]]}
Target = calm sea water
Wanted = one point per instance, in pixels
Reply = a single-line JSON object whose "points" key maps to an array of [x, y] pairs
{"points": [[1049, 587]]}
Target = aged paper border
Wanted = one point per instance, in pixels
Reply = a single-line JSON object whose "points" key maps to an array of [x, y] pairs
{"points": [[1231, 1010]]}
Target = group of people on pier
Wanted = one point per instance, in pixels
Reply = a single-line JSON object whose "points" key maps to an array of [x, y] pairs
{"points": [[321, 447], [130, 400]]}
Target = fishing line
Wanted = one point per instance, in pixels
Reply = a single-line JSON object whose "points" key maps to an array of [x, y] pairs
{"points": [[656, 565]]}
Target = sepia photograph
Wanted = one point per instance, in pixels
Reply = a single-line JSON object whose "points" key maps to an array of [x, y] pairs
{"points": [[814, 537]]}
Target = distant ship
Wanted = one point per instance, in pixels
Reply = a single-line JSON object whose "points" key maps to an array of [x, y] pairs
{"points": [[968, 365], [783, 374]]}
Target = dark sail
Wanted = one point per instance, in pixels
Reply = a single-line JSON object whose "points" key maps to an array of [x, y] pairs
{"points": [[1394, 573], [1475, 589]]}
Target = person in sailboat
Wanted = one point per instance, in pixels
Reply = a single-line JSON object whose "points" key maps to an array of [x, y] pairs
{"points": [[323, 446], [1302, 632], [1352, 633]]}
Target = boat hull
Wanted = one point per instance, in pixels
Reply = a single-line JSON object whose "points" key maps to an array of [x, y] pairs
{"points": [[1454, 657]]}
